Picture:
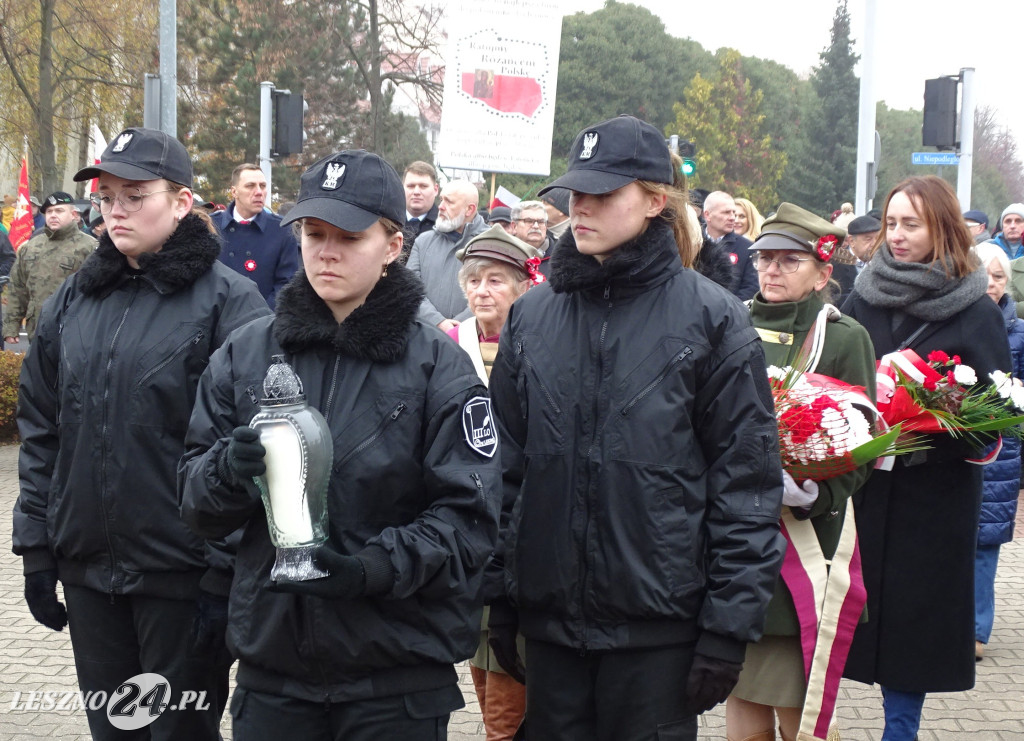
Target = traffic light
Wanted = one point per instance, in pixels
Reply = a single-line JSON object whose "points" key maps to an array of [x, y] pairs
{"points": [[685, 149], [939, 128], [688, 151], [288, 134]]}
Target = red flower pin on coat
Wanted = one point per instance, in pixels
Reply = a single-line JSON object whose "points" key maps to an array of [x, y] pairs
{"points": [[532, 266], [826, 246]]}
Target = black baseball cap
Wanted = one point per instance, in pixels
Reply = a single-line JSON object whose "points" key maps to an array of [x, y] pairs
{"points": [[500, 213], [613, 154], [55, 199], [143, 154], [350, 190]]}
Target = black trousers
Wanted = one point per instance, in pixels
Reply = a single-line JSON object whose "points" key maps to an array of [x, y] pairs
{"points": [[415, 716], [622, 695], [115, 639]]}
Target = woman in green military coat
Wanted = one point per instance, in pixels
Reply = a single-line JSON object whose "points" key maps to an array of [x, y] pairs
{"points": [[792, 257]]}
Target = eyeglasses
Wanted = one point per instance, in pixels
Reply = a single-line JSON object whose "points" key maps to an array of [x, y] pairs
{"points": [[131, 199], [534, 222], [788, 263]]}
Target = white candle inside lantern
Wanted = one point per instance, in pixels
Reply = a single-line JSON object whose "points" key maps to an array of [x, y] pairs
{"points": [[285, 482], [299, 456]]}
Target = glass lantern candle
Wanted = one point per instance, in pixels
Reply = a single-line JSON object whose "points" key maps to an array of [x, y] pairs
{"points": [[299, 457]]}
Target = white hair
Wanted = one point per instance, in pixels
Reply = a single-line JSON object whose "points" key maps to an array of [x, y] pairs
{"points": [[517, 210], [986, 252]]}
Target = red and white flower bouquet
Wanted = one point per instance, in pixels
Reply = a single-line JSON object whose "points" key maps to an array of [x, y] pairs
{"points": [[827, 427], [942, 395]]}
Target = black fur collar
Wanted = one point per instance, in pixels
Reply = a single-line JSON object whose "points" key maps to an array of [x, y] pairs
{"points": [[713, 262], [652, 256], [189, 253], [378, 330]]}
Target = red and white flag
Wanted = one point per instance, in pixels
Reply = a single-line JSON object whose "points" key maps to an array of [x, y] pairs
{"points": [[99, 145], [504, 197], [22, 226]]}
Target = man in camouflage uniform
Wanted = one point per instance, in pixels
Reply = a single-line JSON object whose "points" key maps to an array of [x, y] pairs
{"points": [[43, 263]]}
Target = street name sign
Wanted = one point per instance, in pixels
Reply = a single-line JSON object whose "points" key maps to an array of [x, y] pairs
{"points": [[934, 158]]}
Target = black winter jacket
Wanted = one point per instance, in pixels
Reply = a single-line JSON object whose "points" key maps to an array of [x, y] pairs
{"points": [[408, 495], [737, 247], [105, 396], [643, 481]]}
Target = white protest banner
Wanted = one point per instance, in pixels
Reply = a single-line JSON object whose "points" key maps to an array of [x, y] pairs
{"points": [[499, 87]]}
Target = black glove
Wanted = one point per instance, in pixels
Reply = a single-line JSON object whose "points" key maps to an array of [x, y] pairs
{"points": [[41, 596], [710, 681], [210, 627], [242, 458], [347, 577], [502, 627]]}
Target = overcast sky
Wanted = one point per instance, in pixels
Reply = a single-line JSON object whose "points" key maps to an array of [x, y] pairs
{"points": [[914, 41]]}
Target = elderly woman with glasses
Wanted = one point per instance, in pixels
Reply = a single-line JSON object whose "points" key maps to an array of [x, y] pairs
{"points": [[497, 269], [104, 403], [799, 329]]}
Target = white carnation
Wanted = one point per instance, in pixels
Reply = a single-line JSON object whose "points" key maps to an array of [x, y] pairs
{"points": [[965, 375], [1017, 396], [860, 428], [1002, 382], [778, 374]]}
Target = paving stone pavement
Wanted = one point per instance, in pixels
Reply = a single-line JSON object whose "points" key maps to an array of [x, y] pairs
{"points": [[35, 659]]}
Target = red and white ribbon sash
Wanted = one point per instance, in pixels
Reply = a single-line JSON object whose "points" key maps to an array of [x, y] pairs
{"points": [[829, 598]]}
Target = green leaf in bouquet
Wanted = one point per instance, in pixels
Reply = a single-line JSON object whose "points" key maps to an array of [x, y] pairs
{"points": [[1009, 425], [888, 444]]}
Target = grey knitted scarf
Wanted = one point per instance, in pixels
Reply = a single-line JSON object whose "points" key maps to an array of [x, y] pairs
{"points": [[920, 289]]}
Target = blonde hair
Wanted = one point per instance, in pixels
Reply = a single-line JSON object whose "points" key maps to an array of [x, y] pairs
{"points": [[754, 218], [674, 213]]}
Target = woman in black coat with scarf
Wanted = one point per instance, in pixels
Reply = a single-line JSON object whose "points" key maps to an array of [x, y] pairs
{"points": [[923, 290]]}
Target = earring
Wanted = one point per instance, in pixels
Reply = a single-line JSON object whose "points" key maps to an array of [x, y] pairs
{"points": [[385, 273]]}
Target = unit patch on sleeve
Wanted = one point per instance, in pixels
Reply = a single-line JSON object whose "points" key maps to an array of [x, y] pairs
{"points": [[478, 423]]}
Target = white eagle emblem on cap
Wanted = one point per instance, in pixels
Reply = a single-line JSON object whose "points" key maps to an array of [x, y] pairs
{"points": [[335, 171], [122, 141], [589, 142]]}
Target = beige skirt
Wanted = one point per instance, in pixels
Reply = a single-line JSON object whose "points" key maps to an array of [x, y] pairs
{"points": [[773, 673]]}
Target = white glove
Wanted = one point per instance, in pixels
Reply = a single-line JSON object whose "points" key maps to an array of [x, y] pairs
{"points": [[798, 496]]}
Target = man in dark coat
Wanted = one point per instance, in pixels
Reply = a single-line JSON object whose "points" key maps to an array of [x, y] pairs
{"points": [[255, 243], [720, 219], [421, 189]]}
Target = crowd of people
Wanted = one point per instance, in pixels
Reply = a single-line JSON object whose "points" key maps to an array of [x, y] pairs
{"points": [[555, 448]]}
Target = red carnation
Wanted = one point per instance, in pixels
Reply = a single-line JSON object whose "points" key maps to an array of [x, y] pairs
{"points": [[800, 422], [938, 356]]}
